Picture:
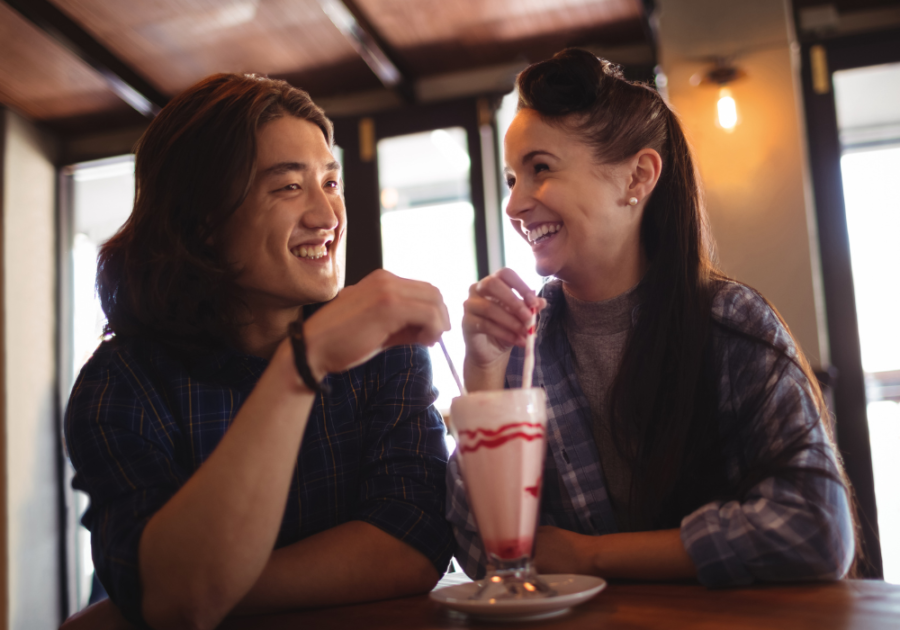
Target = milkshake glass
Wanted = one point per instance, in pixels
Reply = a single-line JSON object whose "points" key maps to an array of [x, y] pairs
{"points": [[501, 441]]}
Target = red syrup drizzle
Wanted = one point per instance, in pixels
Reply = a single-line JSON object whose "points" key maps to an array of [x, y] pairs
{"points": [[536, 488], [500, 441], [493, 432]]}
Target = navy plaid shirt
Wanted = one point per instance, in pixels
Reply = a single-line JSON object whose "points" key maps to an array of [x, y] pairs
{"points": [[139, 423], [781, 531]]}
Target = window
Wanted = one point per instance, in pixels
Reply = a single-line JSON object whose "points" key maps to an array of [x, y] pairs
{"points": [[428, 227], [98, 198]]}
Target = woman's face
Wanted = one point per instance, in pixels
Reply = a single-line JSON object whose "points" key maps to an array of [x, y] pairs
{"points": [[572, 211], [286, 239]]}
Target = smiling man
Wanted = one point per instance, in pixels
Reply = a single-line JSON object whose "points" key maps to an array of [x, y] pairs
{"points": [[233, 466]]}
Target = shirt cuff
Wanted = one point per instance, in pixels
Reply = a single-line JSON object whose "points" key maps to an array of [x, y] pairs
{"points": [[430, 536], [705, 539]]}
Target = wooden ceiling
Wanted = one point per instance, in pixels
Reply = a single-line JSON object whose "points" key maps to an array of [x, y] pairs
{"points": [[168, 45], [45, 81], [434, 36], [174, 43]]}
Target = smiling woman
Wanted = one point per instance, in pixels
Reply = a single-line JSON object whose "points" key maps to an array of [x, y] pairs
{"points": [[688, 437]]}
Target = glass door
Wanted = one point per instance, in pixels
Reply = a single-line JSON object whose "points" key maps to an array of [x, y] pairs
{"points": [[417, 180], [850, 91], [868, 119]]}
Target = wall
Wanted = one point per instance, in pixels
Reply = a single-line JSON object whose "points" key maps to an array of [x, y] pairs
{"points": [[33, 535], [755, 177]]}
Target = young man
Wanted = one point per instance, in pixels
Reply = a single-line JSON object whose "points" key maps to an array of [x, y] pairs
{"points": [[185, 426]]}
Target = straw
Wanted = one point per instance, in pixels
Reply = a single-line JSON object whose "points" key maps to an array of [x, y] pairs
{"points": [[459, 383], [528, 368]]}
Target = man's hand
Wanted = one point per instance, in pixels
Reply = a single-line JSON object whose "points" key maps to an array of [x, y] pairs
{"points": [[380, 311]]}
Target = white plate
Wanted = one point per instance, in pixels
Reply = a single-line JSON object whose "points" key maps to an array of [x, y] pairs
{"points": [[571, 590]]}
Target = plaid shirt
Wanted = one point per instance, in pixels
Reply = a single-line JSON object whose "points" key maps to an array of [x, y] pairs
{"points": [[778, 532], [139, 423]]}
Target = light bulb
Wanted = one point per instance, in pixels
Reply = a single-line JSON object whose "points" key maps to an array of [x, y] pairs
{"points": [[727, 109]]}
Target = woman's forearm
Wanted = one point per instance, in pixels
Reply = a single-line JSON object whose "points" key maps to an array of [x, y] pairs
{"points": [[206, 547], [484, 378], [658, 555], [350, 563]]}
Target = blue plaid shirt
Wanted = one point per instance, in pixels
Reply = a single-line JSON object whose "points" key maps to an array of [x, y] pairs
{"points": [[139, 423], [779, 532]]}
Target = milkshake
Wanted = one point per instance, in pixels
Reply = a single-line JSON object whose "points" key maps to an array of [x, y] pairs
{"points": [[501, 444]]}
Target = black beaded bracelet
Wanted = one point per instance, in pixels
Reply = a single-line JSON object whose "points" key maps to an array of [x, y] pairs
{"points": [[299, 345]]}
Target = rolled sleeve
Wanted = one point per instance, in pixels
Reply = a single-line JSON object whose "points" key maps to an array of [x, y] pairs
{"points": [[124, 462], [402, 485], [775, 536], [783, 529]]}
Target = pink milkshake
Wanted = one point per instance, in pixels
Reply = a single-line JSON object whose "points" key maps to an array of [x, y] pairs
{"points": [[501, 444]]}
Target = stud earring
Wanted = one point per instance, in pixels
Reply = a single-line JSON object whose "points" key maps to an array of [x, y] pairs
{"points": [[633, 201]]}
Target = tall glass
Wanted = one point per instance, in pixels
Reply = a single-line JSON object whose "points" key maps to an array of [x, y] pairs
{"points": [[501, 441]]}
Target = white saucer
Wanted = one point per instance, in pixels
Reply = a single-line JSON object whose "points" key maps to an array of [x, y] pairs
{"points": [[571, 590]]}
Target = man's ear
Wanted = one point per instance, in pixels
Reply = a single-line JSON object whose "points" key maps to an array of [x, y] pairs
{"points": [[646, 167]]}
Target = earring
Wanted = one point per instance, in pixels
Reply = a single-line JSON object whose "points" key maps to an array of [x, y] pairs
{"points": [[633, 201]]}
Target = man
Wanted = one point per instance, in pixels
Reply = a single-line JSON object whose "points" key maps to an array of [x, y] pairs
{"points": [[184, 427]]}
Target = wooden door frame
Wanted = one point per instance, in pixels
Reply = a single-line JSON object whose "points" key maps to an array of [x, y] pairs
{"points": [[843, 53]]}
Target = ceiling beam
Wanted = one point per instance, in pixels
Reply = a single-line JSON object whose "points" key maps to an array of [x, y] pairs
{"points": [[121, 78], [369, 44]]}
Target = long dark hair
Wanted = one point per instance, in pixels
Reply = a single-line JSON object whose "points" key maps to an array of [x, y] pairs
{"points": [[663, 402], [160, 275]]}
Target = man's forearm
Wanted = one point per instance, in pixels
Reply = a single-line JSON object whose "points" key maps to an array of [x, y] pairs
{"points": [[202, 552], [353, 562]]}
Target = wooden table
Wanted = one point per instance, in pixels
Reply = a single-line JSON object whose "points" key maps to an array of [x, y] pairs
{"points": [[861, 604]]}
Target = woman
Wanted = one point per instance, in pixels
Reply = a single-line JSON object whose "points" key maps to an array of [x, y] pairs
{"points": [[686, 434], [185, 427]]}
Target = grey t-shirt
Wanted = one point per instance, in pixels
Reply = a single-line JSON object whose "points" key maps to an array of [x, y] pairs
{"points": [[597, 333]]}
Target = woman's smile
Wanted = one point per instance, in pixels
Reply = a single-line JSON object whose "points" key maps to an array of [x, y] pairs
{"points": [[539, 233]]}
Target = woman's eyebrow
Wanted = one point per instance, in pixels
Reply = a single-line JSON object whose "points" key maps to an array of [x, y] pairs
{"points": [[533, 154]]}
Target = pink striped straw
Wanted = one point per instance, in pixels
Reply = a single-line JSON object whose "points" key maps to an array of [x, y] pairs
{"points": [[459, 383], [528, 368]]}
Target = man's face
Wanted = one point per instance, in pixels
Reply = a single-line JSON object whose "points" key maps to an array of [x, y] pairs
{"points": [[286, 239]]}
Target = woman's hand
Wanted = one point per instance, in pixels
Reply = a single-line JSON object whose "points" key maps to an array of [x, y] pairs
{"points": [[562, 551], [495, 320], [382, 310]]}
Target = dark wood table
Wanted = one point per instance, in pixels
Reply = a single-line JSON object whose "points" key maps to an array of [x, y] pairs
{"points": [[862, 604]]}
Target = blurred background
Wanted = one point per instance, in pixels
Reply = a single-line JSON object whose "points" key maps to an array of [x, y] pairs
{"points": [[792, 108]]}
